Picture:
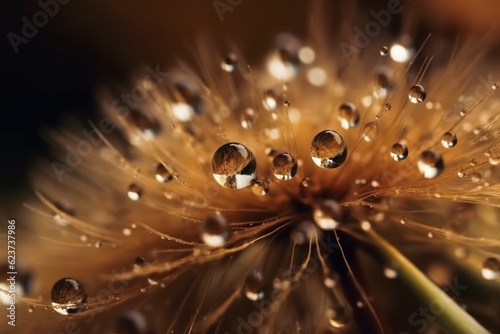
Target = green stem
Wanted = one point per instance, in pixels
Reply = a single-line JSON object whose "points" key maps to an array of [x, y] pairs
{"points": [[452, 318]]}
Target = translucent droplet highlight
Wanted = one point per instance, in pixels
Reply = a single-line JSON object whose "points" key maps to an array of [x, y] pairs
{"points": [[449, 139], [348, 115], [68, 296], [284, 166], [253, 286], [491, 268], [417, 94], [134, 192], [216, 231], [229, 62], [399, 151], [328, 214], [430, 164], [234, 166], [328, 149]]}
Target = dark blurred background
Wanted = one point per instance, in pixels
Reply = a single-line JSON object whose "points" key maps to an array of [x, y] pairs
{"points": [[92, 42]]}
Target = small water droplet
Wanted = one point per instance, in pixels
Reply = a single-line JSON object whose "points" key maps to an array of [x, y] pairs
{"points": [[337, 317], [494, 86], [284, 166], [234, 166], [328, 149], [449, 139], [30, 309], [286, 103], [390, 271], [247, 119], [162, 174], [260, 187], [327, 214], [140, 260], [253, 286], [147, 127], [417, 94], [229, 62], [348, 115], [370, 132], [68, 296], [491, 268], [384, 50], [399, 151], [152, 282], [430, 164], [306, 182], [134, 192], [216, 231], [98, 244], [127, 232]]}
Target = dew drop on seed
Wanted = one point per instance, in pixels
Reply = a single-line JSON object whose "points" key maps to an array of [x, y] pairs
{"points": [[216, 231], [399, 152], [229, 62], [384, 50], [134, 192], [253, 286], [260, 187], [449, 139], [337, 317], [68, 296], [370, 132], [348, 115], [234, 166], [327, 215], [430, 164], [284, 166], [328, 149], [491, 268], [417, 94], [162, 174]]}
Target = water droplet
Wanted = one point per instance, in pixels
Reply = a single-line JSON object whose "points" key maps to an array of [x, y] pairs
{"points": [[348, 115], [402, 52], [148, 128], [370, 132], [399, 152], [328, 149], [98, 244], [216, 231], [230, 62], [68, 296], [260, 187], [494, 86], [286, 103], [127, 232], [306, 182], [284, 166], [384, 50], [327, 214], [476, 177], [134, 192], [449, 139], [270, 101], [338, 317], [234, 166], [430, 164], [162, 174], [253, 286], [417, 94], [247, 119], [390, 272], [140, 260], [491, 268]]}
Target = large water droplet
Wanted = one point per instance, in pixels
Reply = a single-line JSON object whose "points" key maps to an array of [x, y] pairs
{"points": [[449, 139], [234, 166], [229, 62], [216, 231], [162, 174], [328, 149], [417, 94], [430, 164], [328, 214], [491, 268], [134, 192], [399, 151], [370, 132], [284, 166], [253, 286], [348, 115], [68, 296]]}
